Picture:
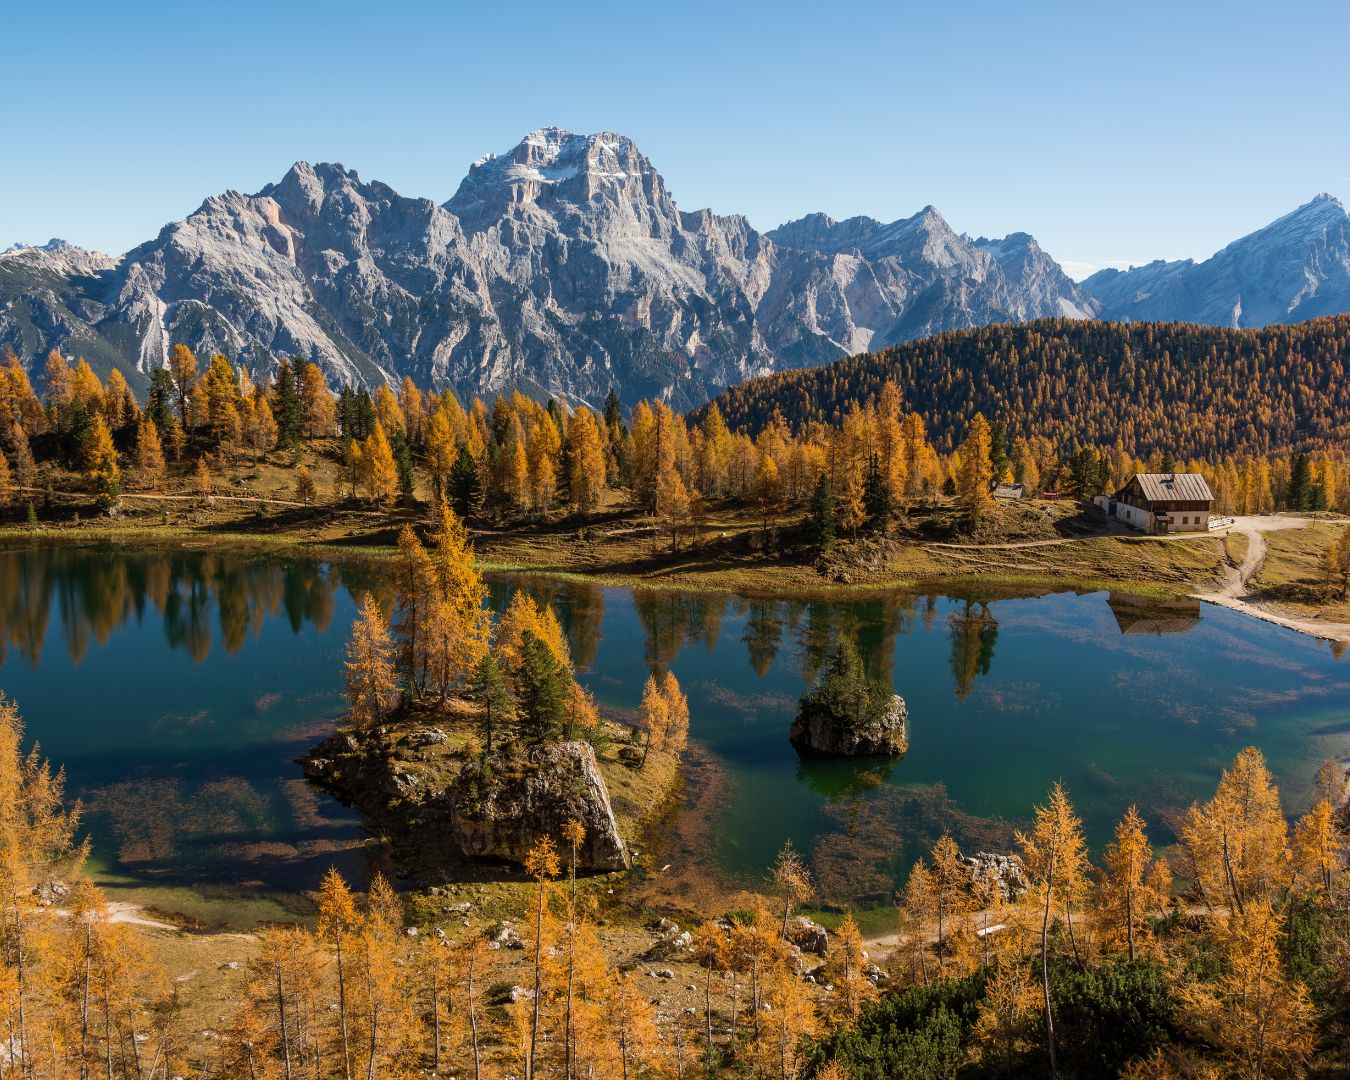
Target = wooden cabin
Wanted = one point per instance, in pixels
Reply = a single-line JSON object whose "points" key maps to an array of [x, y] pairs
{"points": [[1162, 503]]}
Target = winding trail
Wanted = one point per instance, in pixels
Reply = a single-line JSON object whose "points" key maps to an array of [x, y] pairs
{"points": [[1235, 592]]}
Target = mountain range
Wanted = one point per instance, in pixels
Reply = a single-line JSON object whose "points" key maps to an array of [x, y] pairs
{"points": [[565, 267]]}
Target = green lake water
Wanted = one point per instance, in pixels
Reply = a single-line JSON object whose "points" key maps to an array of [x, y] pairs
{"points": [[176, 689]]}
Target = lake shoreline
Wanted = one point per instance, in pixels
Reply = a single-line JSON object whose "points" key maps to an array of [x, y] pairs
{"points": [[766, 579]]}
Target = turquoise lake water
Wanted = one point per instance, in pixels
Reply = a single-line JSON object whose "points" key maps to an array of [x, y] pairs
{"points": [[177, 688]]}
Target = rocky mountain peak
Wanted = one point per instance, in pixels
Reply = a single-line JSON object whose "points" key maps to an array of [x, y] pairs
{"points": [[1312, 220], [1297, 267], [564, 267], [559, 173]]}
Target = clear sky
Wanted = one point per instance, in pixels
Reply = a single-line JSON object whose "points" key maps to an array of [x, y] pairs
{"points": [[1113, 132]]}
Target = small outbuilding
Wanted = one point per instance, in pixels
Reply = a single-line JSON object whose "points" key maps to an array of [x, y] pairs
{"points": [[1009, 491], [1163, 503]]}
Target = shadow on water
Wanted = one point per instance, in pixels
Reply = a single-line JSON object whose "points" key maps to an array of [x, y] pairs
{"points": [[185, 768]]}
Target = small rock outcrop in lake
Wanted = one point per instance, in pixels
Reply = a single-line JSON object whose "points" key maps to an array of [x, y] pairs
{"points": [[847, 715], [500, 805]]}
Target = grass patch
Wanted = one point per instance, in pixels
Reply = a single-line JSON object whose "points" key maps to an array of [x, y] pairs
{"points": [[1293, 574]]}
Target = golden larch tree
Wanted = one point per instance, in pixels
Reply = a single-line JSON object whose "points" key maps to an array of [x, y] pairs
{"points": [[974, 480], [1259, 1020], [378, 469], [371, 685], [1236, 842], [1055, 856], [149, 453]]}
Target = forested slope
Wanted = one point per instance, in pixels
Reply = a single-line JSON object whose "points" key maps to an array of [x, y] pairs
{"points": [[1196, 391]]}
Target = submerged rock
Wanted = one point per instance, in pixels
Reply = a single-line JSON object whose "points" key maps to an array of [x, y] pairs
{"points": [[501, 806], [819, 729]]}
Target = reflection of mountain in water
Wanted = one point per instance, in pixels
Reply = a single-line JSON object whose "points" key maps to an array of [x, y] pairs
{"points": [[190, 591], [1150, 615]]}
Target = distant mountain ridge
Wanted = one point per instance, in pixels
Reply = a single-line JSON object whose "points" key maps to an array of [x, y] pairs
{"points": [[1297, 267], [565, 267]]}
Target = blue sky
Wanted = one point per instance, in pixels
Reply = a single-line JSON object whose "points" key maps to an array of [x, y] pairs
{"points": [[1114, 133]]}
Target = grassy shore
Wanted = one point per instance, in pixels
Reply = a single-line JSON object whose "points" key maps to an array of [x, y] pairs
{"points": [[1031, 546]]}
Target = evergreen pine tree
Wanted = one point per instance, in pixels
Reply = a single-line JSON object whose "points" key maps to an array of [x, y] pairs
{"points": [[490, 691], [876, 495], [613, 411], [465, 487], [541, 691], [998, 450], [403, 461], [289, 414], [365, 415], [159, 400], [346, 411], [823, 513], [1300, 483]]}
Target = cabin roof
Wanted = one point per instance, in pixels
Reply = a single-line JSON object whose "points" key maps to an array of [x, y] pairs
{"points": [[1174, 487]]}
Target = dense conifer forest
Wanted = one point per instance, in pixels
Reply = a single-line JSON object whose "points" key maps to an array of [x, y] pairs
{"points": [[1194, 391]]}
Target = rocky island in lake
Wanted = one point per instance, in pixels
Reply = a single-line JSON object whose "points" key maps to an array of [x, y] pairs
{"points": [[846, 714]]}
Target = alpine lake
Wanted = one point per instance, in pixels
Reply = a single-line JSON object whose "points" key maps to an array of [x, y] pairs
{"points": [[176, 688]]}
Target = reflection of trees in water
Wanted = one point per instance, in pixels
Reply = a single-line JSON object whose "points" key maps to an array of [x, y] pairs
{"points": [[875, 838], [669, 619], [153, 820], [872, 624], [97, 592], [763, 630], [580, 609], [974, 633], [843, 779]]}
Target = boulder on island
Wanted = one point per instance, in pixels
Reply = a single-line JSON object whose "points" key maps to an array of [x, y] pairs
{"points": [[501, 805], [846, 714]]}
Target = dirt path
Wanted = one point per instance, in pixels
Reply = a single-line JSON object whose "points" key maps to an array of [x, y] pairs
{"points": [[1235, 592], [1113, 534]]}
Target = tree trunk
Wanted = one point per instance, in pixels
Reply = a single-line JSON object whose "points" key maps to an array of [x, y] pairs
{"points": [[571, 973], [1045, 966], [1129, 914], [25, 1066], [342, 1011], [107, 1035], [538, 955], [1073, 940], [84, 1009], [435, 1020], [281, 1020], [707, 1003], [473, 1025]]}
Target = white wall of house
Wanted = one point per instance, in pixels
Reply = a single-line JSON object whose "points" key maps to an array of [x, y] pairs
{"points": [[1132, 515], [1189, 521], [1181, 520]]}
